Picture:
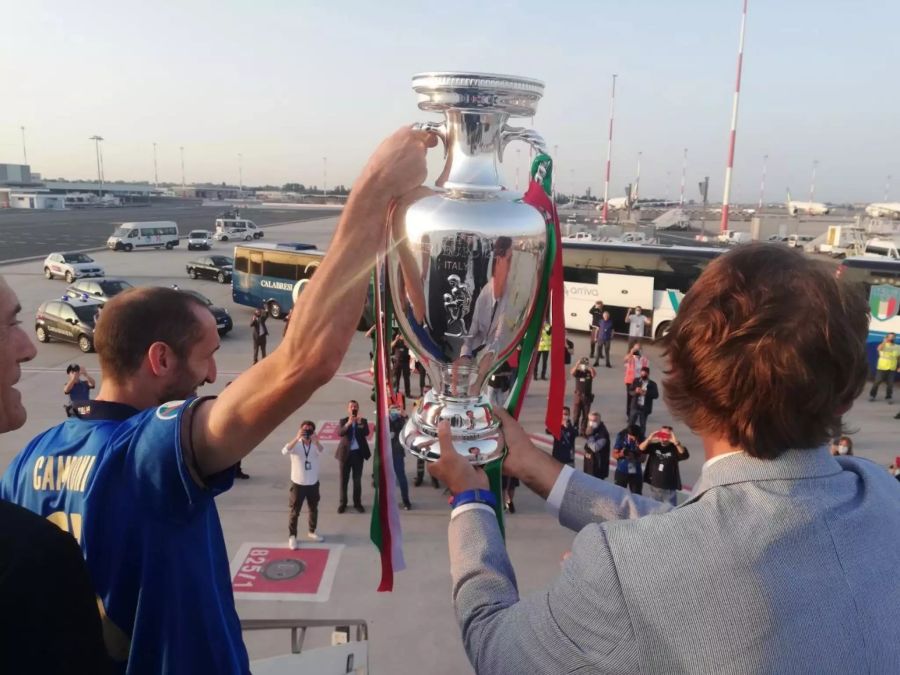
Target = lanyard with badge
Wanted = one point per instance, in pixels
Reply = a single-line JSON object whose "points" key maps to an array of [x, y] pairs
{"points": [[307, 465]]}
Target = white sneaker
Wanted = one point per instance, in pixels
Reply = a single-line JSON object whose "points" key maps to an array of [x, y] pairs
{"points": [[292, 543], [314, 536]]}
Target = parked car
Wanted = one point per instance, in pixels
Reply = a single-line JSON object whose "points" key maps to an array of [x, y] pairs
{"points": [[199, 239], [71, 266], [216, 267], [69, 319], [223, 319], [98, 289], [236, 229]]}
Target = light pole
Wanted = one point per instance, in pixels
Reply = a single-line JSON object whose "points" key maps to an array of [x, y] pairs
{"points": [[612, 112], [635, 195], [24, 150], [240, 173], [812, 182], [762, 184], [97, 140], [183, 186], [324, 176], [155, 171]]}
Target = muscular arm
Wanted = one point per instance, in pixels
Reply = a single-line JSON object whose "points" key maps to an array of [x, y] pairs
{"points": [[325, 318]]}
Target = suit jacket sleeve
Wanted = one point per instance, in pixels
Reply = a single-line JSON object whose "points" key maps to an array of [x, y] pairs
{"points": [[580, 621], [591, 500]]}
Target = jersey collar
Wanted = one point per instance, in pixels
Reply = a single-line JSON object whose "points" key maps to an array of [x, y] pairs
{"points": [[104, 410]]}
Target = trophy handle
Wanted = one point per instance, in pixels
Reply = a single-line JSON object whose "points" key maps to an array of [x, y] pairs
{"points": [[530, 136], [439, 129]]}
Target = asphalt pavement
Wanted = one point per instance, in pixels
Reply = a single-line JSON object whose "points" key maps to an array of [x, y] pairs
{"points": [[33, 233]]}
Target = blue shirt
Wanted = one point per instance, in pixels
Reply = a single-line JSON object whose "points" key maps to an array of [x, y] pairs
{"points": [[80, 391], [116, 479], [606, 329], [630, 462]]}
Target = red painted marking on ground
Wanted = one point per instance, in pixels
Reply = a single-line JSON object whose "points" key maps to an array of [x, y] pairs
{"points": [[360, 377], [281, 570]]}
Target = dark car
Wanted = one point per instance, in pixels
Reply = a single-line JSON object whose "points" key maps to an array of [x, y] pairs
{"points": [[98, 289], [69, 319], [216, 267], [223, 318]]}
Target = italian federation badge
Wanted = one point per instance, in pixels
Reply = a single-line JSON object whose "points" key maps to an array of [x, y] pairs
{"points": [[884, 301]]}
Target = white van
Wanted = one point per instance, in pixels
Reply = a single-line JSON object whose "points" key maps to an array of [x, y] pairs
{"points": [[886, 248], [154, 234], [236, 229]]}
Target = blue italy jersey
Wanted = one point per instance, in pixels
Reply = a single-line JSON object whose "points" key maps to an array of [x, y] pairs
{"points": [[116, 479]]}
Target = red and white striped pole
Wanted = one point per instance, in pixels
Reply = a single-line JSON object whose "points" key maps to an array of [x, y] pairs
{"points": [[734, 114], [683, 176], [612, 112], [762, 184]]}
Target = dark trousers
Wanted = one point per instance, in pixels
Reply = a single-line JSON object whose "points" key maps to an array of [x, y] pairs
{"points": [[628, 399], [886, 376], [595, 335], [421, 372], [299, 494], [632, 481], [580, 411], [353, 464], [259, 344], [541, 355], [638, 416], [420, 473], [404, 371], [603, 347], [400, 470]]}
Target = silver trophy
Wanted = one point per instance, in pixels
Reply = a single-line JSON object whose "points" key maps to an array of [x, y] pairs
{"points": [[466, 259]]}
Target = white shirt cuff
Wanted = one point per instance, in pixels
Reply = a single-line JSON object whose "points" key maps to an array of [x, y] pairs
{"points": [[471, 506], [554, 499]]}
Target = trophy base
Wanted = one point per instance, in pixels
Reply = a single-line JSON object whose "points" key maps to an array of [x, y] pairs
{"points": [[476, 432]]}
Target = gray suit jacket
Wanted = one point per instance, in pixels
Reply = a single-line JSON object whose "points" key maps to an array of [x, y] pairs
{"points": [[773, 566]]}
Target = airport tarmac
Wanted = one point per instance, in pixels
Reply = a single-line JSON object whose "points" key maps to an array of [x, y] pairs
{"points": [[412, 629], [26, 233]]}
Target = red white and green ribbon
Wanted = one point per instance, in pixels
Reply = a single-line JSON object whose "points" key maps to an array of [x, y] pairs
{"points": [[385, 530]]}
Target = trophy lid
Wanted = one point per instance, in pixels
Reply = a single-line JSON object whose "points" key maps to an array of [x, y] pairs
{"points": [[439, 91]]}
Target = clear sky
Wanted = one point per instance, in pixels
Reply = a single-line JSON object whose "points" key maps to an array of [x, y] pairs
{"points": [[286, 83]]}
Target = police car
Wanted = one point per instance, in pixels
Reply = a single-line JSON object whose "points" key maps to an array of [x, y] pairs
{"points": [[71, 266], [69, 319], [98, 289]]}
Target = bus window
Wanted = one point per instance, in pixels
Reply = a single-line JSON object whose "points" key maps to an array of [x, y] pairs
{"points": [[241, 263], [256, 260], [280, 266], [580, 275]]}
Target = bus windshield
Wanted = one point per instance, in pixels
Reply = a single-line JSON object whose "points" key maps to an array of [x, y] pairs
{"points": [[271, 275]]}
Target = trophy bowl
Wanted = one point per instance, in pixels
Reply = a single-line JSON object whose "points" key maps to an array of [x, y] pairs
{"points": [[466, 260]]}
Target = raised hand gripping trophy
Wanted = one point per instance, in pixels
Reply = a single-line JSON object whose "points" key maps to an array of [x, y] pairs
{"points": [[467, 259]]}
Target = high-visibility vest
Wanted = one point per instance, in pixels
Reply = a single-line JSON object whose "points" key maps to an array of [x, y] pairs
{"points": [[633, 366], [544, 343]]}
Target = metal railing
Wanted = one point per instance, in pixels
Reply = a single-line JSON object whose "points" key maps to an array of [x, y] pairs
{"points": [[298, 628]]}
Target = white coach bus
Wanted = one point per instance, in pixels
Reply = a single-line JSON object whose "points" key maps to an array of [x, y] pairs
{"points": [[652, 277]]}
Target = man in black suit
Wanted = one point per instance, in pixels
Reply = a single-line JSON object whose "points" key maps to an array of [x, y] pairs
{"points": [[352, 452], [260, 333], [643, 392]]}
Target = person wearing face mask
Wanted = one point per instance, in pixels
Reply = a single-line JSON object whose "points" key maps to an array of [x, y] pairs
{"points": [[634, 362], [564, 446], [304, 450], [886, 368], [643, 392], [584, 379], [605, 336], [637, 324], [397, 419], [842, 446], [627, 453], [596, 448]]}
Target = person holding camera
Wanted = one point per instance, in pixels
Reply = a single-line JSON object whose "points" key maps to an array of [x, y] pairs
{"points": [[627, 453], [664, 452], [596, 449], [643, 392], [584, 376], [596, 313], [637, 323], [400, 364], [564, 446], [260, 332], [398, 418], [352, 452], [78, 387], [304, 450]]}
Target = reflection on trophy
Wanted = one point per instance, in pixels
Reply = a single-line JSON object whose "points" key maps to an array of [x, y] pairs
{"points": [[456, 302], [466, 259]]}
